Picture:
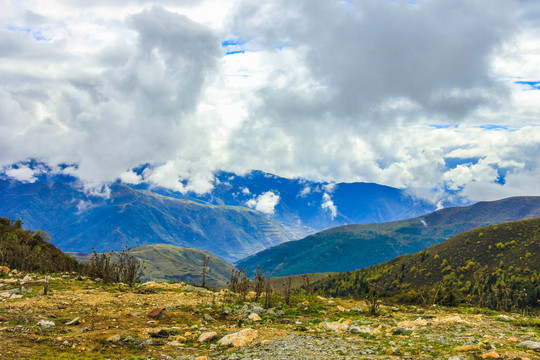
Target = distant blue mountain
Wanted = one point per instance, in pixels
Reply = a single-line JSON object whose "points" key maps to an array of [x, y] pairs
{"points": [[129, 217], [221, 221], [301, 201]]}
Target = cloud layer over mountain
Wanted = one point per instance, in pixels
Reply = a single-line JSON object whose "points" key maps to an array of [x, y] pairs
{"points": [[439, 97]]}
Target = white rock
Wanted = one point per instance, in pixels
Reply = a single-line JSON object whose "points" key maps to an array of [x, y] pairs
{"points": [[45, 323], [254, 317], [207, 336], [531, 345], [240, 338]]}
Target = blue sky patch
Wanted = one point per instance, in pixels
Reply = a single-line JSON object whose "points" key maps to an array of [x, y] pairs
{"points": [[494, 127], [36, 34], [439, 126], [233, 46], [453, 162], [232, 52], [232, 42], [533, 85], [501, 174]]}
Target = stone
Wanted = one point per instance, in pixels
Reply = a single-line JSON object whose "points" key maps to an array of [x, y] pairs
{"points": [[254, 317], [208, 318], [256, 308], [170, 307], [196, 289], [157, 313], [491, 355], [128, 339], [207, 336], [114, 338], [336, 326], [160, 334], [201, 358], [465, 348], [4, 270], [359, 330], [531, 345], [239, 339], [174, 343], [227, 310], [75, 321], [45, 323], [418, 322]]}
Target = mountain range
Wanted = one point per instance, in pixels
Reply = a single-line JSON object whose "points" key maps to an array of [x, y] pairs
{"points": [[128, 217], [239, 217], [309, 206], [352, 247]]}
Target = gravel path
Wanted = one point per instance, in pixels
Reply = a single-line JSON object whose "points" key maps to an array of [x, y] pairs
{"points": [[313, 347]]}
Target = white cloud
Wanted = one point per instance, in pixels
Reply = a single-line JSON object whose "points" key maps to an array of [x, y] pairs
{"points": [[382, 92], [329, 188], [305, 191], [21, 173], [328, 204], [130, 177], [265, 203]]}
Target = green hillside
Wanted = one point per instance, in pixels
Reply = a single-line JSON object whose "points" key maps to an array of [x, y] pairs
{"points": [[165, 262], [495, 266], [27, 250], [352, 247]]}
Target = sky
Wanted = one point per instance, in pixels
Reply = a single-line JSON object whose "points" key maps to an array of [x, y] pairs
{"points": [[437, 97]]}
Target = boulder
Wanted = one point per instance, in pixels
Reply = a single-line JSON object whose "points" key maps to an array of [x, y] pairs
{"points": [[207, 336], [75, 321], [45, 323], [531, 345], [239, 339], [336, 326], [196, 289], [157, 313]]}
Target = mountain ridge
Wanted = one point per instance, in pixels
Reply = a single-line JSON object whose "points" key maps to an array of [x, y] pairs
{"points": [[494, 266], [352, 247]]}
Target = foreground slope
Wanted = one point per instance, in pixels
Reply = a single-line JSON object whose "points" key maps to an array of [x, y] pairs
{"points": [[84, 320], [488, 266], [128, 217], [353, 247]]}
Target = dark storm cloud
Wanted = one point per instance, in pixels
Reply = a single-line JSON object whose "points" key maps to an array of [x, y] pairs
{"points": [[434, 53]]}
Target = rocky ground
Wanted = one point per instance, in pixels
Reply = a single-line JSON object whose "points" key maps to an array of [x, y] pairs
{"points": [[81, 319]]}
